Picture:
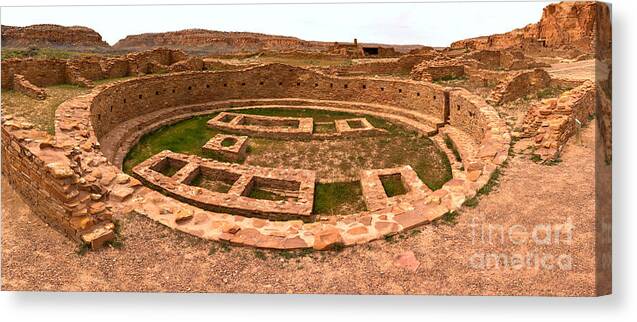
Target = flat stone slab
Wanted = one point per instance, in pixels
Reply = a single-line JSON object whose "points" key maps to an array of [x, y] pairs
{"points": [[231, 147], [264, 126], [293, 188]]}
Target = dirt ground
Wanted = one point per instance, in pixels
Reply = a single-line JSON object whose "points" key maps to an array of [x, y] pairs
{"points": [[452, 259], [340, 160]]}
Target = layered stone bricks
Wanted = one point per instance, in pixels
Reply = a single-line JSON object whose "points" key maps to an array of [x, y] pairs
{"points": [[551, 123], [22, 85], [264, 126], [375, 195], [231, 147], [50, 182], [295, 187]]}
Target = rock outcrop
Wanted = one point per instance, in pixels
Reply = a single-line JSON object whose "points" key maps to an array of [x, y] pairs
{"points": [[218, 41], [51, 36], [582, 27]]}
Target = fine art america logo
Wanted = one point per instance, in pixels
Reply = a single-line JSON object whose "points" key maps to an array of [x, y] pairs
{"points": [[535, 246]]}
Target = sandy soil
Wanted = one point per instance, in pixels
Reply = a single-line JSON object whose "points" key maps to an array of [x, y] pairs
{"points": [[154, 258], [578, 70]]}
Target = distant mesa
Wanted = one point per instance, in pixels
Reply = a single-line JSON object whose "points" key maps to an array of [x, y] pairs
{"points": [[223, 42], [51, 36], [220, 41]]}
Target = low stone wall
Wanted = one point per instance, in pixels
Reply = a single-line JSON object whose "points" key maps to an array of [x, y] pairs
{"points": [[436, 70], [552, 122], [127, 100], [471, 114], [241, 179], [20, 84], [82, 71], [50, 185], [40, 72], [289, 128]]}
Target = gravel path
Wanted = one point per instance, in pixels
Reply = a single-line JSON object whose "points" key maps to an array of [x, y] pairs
{"points": [[154, 258]]}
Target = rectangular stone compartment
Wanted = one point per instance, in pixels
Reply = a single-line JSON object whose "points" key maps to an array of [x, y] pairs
{"points": [[355, 124], [269, 122], [264, 126], [271, 193], [168, 166], [272, 189], [356, 127], [393, 184], [231, 147], [215, 180], [384, 188]]}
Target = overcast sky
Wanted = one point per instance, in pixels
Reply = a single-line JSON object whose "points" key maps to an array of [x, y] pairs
{"points": [[434, 24]]}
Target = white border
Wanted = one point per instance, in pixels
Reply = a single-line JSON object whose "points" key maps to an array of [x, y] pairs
{"points": [[93, 307]]}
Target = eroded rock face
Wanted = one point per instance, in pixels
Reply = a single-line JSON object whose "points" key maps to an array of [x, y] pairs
{"points": [[51, 36], [580, 26], [576, 24]]}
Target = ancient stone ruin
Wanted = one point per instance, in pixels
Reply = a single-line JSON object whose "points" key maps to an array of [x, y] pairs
{"points": [[74, 179], [112, 118]]}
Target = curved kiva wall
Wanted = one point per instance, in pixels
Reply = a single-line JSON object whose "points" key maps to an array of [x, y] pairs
{"points": [[133, 98], [481, 137]]}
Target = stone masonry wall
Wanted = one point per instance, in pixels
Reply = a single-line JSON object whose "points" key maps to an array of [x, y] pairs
{"points": [[551, 123], [82, 71], [520, 85], [50, 185], [464, 112], [40, 72], [133, 98], [25, 87]]}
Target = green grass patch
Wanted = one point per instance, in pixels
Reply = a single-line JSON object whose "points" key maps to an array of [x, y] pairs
{"points": [[393, 185], [449, 218], [492, 183], [212, 185], [452, 147], [471, 203], [324, 128], [228, 142], [257, 193], [335, 198], [552, 91], [184, 137], [260, 254], [82, 249]]}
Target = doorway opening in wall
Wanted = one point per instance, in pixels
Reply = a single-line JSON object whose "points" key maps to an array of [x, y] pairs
{"points": [[370, 51]]}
